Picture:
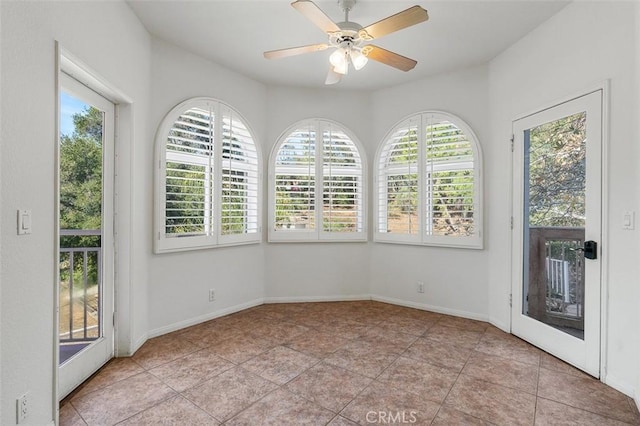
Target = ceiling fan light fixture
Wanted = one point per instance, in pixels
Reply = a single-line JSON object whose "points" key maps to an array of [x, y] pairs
{"points": [[358, 59], [339, 58], [342, 68], [349, 38]]}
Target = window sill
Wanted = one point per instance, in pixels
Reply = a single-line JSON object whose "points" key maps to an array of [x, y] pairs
{"points": [[161, 247], [473, 243], [314, 238]]}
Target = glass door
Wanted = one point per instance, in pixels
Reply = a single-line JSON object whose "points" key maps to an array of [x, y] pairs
{"points": [[85, 186], [557, 230]]}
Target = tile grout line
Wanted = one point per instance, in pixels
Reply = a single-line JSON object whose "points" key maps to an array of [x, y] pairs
{"points": [[587, 411], [456, 381], [575, 406]]}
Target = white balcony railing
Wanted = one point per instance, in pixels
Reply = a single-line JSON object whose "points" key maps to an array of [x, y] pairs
{"points": [[80, 285]]}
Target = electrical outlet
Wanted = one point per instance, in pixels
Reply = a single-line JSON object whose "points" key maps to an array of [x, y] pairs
{"points": [[420, 286], [212, 295], [22, 408]]}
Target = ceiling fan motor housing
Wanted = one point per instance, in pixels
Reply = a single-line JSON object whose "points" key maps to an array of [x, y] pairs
{"points": [[350, 35], [350, 39]]}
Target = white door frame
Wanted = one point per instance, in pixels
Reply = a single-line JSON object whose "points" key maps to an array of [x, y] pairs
{"points": [[516, 240], [123, 199], [100, 351]]}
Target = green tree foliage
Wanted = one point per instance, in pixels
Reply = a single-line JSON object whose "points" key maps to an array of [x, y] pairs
{"points": [[234, 202], [81, 190], [81, 173], [449, 181], [185, 198], [557, 179]]}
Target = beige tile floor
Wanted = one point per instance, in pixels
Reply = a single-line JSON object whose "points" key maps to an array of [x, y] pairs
{"points": [[342, 363]]}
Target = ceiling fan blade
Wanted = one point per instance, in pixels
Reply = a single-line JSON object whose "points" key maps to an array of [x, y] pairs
{"points": [[388, 58], [333, 77], [315, 15], [406, 18], [291, 51]]}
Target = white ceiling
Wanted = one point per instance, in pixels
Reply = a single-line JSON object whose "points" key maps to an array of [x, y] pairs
{"points": [[234, 34]]}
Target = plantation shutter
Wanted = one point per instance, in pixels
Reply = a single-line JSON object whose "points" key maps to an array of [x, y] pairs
{"points": [[189, 174], [318, 185], [208, 189], [342, 183], [239, 177], [429, 183], [449, 179], [398, 181], [295, 181]]}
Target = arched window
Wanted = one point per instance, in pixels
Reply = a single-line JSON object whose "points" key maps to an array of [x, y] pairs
{"points": [[429, 183], [317, 184], [207, 186]]}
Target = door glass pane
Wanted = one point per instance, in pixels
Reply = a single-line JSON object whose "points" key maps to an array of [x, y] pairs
{"points": [[554, 223], [80, 225]]}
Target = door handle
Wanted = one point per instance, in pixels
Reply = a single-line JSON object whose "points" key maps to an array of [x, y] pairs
{"points": [[590, 249]]}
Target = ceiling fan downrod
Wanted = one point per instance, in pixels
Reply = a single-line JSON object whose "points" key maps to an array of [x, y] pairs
{"points": [[346, 6]]}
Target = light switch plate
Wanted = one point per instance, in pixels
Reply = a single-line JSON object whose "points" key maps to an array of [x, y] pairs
{"points": [[24, 222], [629, 220]]}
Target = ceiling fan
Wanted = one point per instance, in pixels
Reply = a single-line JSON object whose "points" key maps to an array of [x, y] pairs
{"points": [[350, 39]]}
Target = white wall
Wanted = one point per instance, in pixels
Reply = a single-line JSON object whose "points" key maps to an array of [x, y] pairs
{"points": [[456, 280], [585, 43], [298, 271], [637, 162], [0, 210], [28, 105], [179, 283]]}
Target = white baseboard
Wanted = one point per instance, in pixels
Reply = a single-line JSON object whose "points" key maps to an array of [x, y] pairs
{"points": [[138, 343], [637, 400], [425, 307], [300, 299], [620, 385], [202, 318], [500, 325], [306, 299]]}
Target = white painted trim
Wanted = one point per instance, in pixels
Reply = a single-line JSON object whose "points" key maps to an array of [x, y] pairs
{"points": [[570, 350], [102, 349], [308, 299], [56, 240], [77, 69], [586, 90], [431, 308], [202, 318], [604, 233], [317, 235], [621, 385], [473, 242], [138, 344], [300, 299], [124, 136], [123, 217], [506, 327], [162, 244], [636, 399]]}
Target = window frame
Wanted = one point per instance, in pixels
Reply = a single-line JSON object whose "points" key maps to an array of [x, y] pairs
{"points": [[162, 244], [318, 234], [421, 237]]}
